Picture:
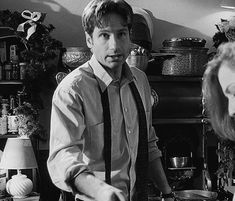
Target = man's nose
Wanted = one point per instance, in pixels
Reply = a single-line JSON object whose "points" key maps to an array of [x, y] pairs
{"points": [[113, 42]]}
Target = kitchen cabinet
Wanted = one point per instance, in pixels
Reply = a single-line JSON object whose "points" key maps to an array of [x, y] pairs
{"points": [[182, 126]]}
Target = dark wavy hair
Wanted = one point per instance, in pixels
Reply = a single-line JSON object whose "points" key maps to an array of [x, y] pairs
{"points": [[95, 12], [215, 101]]}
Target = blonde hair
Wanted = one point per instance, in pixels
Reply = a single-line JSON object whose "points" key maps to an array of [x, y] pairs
{"points": [[215, 101]]}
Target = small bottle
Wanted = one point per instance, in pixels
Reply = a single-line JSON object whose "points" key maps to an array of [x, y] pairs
{"points": [[22, 69], [13, 51], [8, 71], [12, 118], [15, 67], [12, 105], [1, 70], [19, 97], [3, 118]]}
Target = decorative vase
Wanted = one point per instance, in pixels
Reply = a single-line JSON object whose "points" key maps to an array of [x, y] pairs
{"points": [[19, 186]]}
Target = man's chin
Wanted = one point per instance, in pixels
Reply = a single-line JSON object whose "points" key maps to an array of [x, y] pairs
{"points": [[115, 64]]}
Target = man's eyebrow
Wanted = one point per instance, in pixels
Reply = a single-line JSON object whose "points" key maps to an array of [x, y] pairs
{"points": [[118, 30]]}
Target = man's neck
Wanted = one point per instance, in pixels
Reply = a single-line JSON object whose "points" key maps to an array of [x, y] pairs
{"points": [[116, 73]]}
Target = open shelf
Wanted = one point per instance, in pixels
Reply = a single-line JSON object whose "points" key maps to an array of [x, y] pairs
{"points": [[183, 168], [180, 121], [170, 78], [10, 82], [8, 136]]}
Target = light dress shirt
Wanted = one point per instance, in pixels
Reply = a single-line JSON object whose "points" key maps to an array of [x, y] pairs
{"points": [[76, 135]]}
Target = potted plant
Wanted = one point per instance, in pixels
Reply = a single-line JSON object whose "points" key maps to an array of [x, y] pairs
{"points": [[28, 122], [226, 164]]}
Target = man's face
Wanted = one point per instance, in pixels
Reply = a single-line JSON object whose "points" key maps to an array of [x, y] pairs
{"points": [[111, 43]]}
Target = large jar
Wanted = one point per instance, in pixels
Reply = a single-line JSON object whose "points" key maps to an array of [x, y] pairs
{"points": [[187, 56]]}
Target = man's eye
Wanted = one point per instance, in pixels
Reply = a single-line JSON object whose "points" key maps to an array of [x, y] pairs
{"points": [[104, 35], [122, 34]]}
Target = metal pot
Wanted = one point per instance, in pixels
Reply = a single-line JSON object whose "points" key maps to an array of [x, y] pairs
{"points": [[187, 56], [195, 195], [179, 162], [184, 42]]}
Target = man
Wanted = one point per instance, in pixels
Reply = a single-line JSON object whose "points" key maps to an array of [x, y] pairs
{"points": [[101, 133]]}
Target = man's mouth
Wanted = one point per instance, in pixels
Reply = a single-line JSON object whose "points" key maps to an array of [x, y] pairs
{"points": [[115, 57]]}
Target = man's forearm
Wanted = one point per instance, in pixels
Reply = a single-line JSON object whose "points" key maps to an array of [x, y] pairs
{"points": [[157, 174], [95, 189], [88, 184]]}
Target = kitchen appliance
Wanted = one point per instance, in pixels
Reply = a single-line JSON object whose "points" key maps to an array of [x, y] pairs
{"points": [[184, 56], [182, 128]]}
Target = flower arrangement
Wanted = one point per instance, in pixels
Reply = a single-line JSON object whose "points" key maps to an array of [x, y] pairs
{"points": [[39, 48], [226, 164], [226, 31], [28, 122]]}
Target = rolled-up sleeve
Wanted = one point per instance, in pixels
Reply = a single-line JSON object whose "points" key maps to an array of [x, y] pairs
{"points": [[66, 138], [154, 151]]}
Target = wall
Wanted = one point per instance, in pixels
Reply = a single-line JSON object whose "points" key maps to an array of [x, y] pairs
{"points": [[171, 18]]}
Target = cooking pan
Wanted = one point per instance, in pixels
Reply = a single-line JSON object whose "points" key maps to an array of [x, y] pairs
{"points": [[195, 195]]}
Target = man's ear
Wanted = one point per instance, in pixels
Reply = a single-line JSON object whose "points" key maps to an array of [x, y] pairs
{"points": [[89, 40]]}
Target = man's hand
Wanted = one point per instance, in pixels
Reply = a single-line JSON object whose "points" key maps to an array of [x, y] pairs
{"points": [[109, 193]]}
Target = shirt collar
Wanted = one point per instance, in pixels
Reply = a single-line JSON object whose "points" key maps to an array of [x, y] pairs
{"points": [[104, 79]]}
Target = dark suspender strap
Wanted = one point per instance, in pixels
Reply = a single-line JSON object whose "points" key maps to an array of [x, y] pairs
{"points": [[107, 135], [142, 156]]}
